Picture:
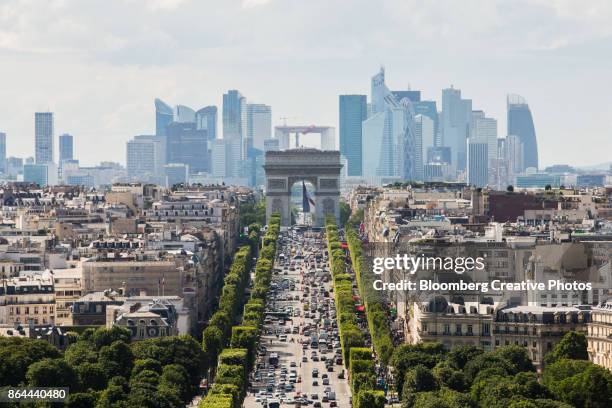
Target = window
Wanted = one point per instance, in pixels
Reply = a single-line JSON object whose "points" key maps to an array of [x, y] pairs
{"points": [[470, 329], [424, 327], [446, 328], [497, 342], [486, 328]]}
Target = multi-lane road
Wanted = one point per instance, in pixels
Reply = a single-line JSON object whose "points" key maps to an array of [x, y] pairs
{"points": [[300, 331]]}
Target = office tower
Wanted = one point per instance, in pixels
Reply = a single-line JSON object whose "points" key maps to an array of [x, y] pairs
{"points": [[43, 130], [144, 158], [520, 123], [42, 174], [484, 130], [184, 114], [439, 154], [456, 119], [477, 163], [206, 119], [424, 140], [218, 158], [187, 145], [164, 115], [14, 166], [429, 109], [3, 166], [515, 155], [66, 147], [353, 111], [259, 124], [234, 104], [388, 140], [176, 173]]}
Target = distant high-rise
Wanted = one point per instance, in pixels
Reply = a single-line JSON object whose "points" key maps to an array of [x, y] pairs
{"points": [[515, 156], [477, 163], [66, 147], [234, 111], [353, 111], [176, 173], [456, 119], [164, 115], [388, 134], [485, 131], [424, 140], [144, 159], [520, 123], [3, 152], [184, 114], [219, 158], [43, 131], [259, 124], [187, 145], [206, 119]]}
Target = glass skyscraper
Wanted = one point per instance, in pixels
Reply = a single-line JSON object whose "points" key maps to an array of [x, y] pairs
{"points": [[520, 123], [206, 119], [353, 111], [234, 109], [259, 124], [456, 120], [43, 134], [187, 145], [66, 147], [164, 115]]}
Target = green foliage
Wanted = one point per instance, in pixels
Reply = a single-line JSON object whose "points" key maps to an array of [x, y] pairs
{"points": [[105, 337], [499, 391], [408, 356], [460, 355], [345, 212], [418, 379], [579, 383], [572, 346], [17, 354], [517, 356], [252, 213], [443, 398], [370, 399], [51, 373], [146, 364]]}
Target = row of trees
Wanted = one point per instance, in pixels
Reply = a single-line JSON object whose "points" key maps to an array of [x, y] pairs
{"points": [[430, 376], [103, 369], [376, 314], [218, 333], [236, 362], [358, 358]]}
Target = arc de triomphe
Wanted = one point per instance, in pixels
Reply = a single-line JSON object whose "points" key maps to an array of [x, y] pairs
{"points": [[285, 168]]}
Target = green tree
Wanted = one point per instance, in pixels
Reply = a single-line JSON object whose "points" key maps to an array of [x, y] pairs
{"points": [[371, 399], [146, 364], [82, 399], [117, 359], [51, 373], [345, 212], [517, 356], [408, 356], [460, 355], [579, 383], [105, 337], [418, 379], [80, 352], [572, 346], [91, 376]]}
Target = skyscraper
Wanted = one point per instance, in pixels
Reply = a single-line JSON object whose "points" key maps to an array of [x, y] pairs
{"points": [[187, 145], [485, 131], [66, 147], [353, 111], [43, 132], [144, 159], [456, 119], [477, 163], [259, 124], [164, 115], [424, 140], [3, 152], [234, 105], [388, 134], [520, 123], [206, 119], [515, 156]]}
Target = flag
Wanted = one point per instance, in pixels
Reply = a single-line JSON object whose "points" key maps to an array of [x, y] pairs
{"points": [[306, 200]]}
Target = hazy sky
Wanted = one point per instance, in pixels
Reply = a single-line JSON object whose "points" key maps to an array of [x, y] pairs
{"points": [[99, 64]]}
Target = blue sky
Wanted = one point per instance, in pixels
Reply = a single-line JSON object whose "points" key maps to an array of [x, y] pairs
{"points": [[99, 64]]}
